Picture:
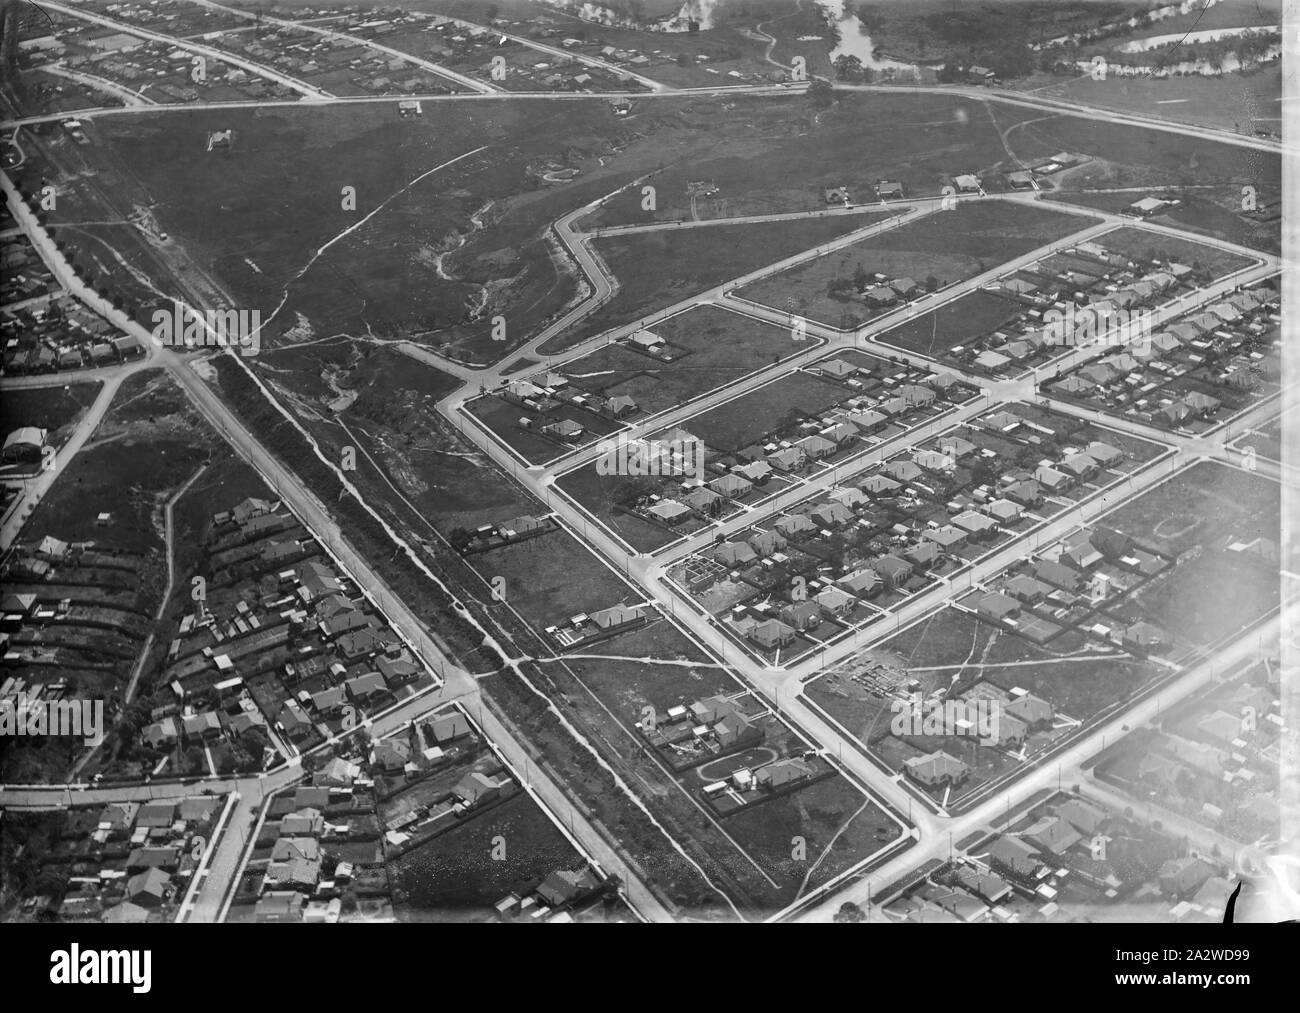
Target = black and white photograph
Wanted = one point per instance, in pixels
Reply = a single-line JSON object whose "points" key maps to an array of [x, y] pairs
{"points": [[649, 462]]}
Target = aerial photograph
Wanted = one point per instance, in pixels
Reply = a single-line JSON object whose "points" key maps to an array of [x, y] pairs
{"points": [[649, 461]]}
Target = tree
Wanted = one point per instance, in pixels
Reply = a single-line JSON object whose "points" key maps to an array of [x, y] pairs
{"points": [[849, 912], [683, 60], [848, 67], [821, 93]]}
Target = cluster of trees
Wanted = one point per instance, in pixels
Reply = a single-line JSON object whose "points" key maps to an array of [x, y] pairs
{"points": [[821, 93], [1249, 50], [849, 68]]}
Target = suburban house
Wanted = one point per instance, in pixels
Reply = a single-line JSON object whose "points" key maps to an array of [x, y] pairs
{"points": [[802, 615], [998, 607], [936, 770], [771, 634]]}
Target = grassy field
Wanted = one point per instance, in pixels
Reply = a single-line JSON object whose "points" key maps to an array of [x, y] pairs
{"points": [[1268, 439], [723, 346], [934, 333], [603, 495], [396, 428], [948, 246], [1202, 504], [454, 877], [764, 160], [50, 408], [1129, 156], [746, 419], [953, 644], [657, 269], [441, 246], [1139, 243], [1211, 211], [147, 445], [1212, 592], [552, 577], [838, 826], [1231, 102]]}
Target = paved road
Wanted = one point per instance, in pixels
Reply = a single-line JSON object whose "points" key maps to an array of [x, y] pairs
{"points": [[1094, 113], [1010, 98]]}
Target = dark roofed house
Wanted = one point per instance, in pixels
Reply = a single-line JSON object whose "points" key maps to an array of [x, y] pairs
{"points": [[880, 296], [731, 485], [1180, 877], [397, 670], [564, 887], [477, 787], [391, 755], [156, 814], [1014, 857], [766, 543], [1052, 835], [367, 687], [1024, 588], [166, 859], [1083, 816], [1027, 493], [734, 554], [448, 727], [294, 721], [790, 525], [1058, 575], [735, 729], [1143, 637], [862, 582], [998, 607], [802, 615], [149, 889], [896, 571]]}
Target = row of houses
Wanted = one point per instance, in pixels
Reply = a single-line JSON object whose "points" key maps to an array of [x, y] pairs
{"points": [[1227, 344], [136, 858]]}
